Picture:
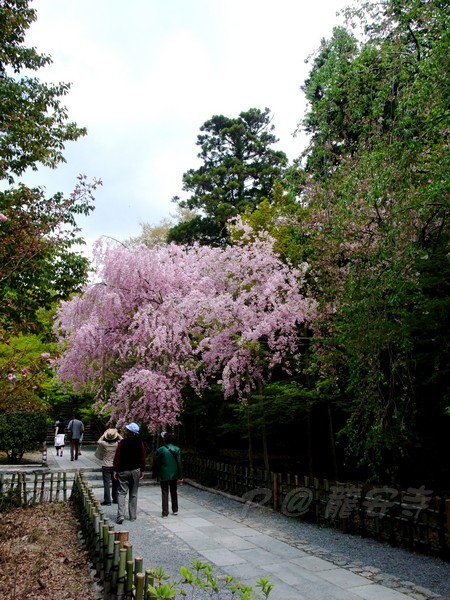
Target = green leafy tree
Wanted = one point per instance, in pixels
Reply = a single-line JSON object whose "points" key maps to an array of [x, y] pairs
{"points": [[278, 217], [334, 132], [24, 368], [22, 432], [375, 225], [37, 234], [38, 266], [157, 234], [33, 122], [38, 262], [239, 169]]}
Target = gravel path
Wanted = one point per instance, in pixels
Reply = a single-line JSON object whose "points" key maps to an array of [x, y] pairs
{"points": [[392, 565]]}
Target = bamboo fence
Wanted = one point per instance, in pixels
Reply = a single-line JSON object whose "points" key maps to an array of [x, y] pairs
{"points": [[25, 489], [412, 518], [111, 553]]}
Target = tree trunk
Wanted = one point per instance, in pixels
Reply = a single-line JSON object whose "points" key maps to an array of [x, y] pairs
{"points": [[249, 434], [263, 427], [309, 441], [332, 443]]}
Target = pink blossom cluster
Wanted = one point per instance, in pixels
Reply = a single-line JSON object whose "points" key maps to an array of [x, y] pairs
{"points": [[24, 373], [157, 320]]}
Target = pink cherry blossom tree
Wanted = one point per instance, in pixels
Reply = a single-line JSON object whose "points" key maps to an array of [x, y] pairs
{"points": [[158, 319]]}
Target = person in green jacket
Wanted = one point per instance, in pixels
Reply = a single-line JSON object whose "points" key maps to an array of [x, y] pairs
{"points": [[167, 470]]}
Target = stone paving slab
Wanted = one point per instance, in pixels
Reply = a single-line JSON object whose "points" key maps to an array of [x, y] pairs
{"points": [[221, 557], [378, 592], [292, 574], [322, 590], [258, 556], [234, 543], [200, 545], [344, 579], [276, 547], [313, 563]]}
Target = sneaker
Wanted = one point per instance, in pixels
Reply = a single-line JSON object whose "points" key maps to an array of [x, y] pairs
{"points": [[165, 516], [175, 512], [120, 520], [105, 503]]}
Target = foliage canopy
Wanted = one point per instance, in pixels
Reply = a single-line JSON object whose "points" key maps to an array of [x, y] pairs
{"points": [[38, 262], [239, 168]]}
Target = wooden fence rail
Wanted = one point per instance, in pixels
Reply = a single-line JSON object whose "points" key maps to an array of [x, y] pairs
{"points": [[24, 489], [412, 518]]}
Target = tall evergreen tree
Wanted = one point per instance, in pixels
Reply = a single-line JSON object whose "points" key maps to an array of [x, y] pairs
{"points": [[239, 170]]}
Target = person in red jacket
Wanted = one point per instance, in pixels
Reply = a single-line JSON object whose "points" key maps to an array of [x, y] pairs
{"points": [[129, 465]]}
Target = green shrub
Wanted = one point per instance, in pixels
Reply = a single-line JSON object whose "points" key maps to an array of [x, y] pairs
{"points": [[22, 432], [9, 500]]}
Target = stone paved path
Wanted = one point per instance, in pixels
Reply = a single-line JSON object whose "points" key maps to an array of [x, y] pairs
{"points": [[237, 548]]}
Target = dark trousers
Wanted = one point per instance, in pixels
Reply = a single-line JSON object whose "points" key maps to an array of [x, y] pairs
{"points": [[74, 447], [167, 486], [108, 482]]}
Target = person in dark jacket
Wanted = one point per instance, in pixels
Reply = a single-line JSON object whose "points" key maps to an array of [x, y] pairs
{"points": [[60, 428], [168, 470], [129, 465]]}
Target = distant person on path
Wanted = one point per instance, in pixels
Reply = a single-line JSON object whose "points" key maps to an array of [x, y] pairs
{"points": [[167, 470], [108, 443], [75, 429], [60, 428], [129, 465]]}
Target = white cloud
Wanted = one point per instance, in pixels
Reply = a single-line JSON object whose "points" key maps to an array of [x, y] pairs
{"points": [[146, 74]]}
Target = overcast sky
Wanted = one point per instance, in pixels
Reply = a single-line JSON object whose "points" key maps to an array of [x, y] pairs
{"points": [[146, 74]]}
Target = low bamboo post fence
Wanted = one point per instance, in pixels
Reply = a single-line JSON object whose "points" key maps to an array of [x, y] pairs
{"points": [[111, 553], [27, 488]]}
